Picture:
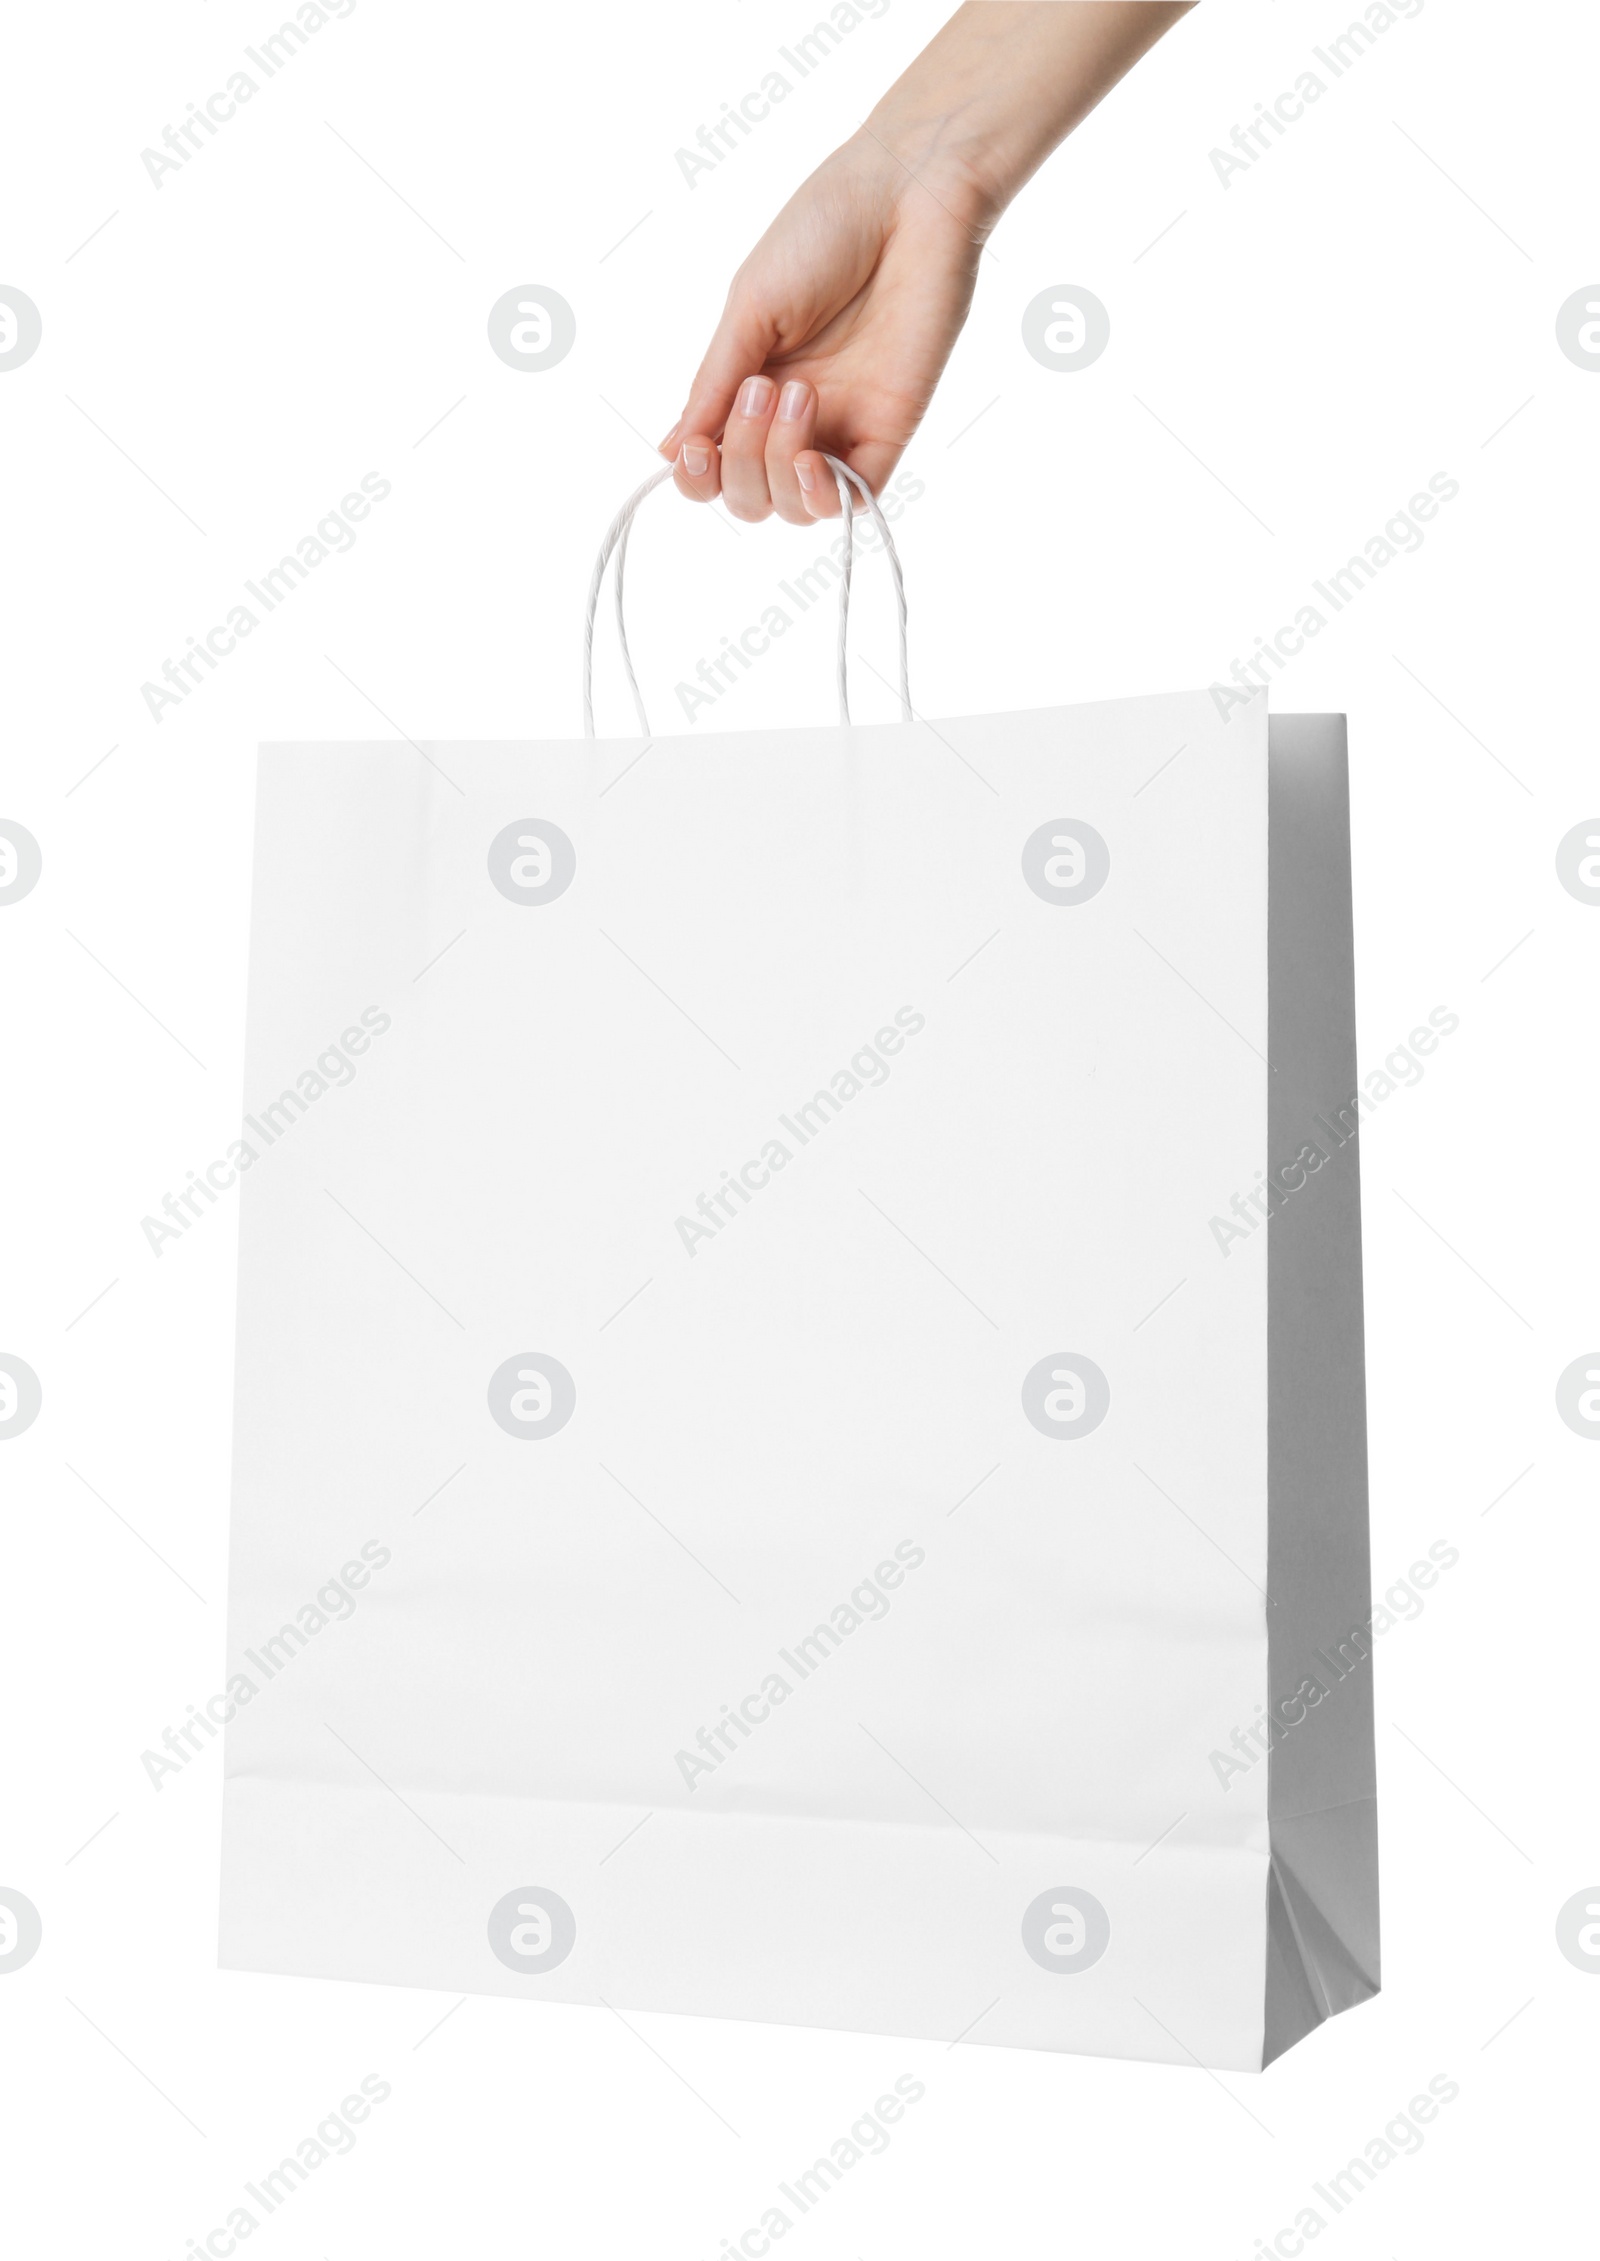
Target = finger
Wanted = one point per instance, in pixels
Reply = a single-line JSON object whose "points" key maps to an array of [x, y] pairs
{"points": [[697, 472], [789, 434], [744, 450], [742, 342], [873, 461], [819, 490]]}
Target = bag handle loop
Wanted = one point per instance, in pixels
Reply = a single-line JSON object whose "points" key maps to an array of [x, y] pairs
{"points": [[616, 542]]}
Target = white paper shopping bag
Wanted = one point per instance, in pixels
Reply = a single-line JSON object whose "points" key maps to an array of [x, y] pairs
{"points": [[799, 1435]]}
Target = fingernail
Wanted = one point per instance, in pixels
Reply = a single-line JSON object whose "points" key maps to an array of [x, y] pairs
{"points": [[792, 405], [695, 460], [670, 442], [805, 472], [755, 396]]}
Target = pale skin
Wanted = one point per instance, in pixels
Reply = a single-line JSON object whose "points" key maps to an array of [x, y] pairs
{"points": [[839, 323]]}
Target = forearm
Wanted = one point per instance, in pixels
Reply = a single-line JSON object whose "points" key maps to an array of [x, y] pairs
{"points": [[1003, 83]]}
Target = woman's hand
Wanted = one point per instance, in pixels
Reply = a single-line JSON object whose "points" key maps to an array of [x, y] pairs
{"points": [[834, 335], [841, 320]]}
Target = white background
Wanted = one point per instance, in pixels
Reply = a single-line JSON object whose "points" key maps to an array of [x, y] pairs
{"points": [[1299, 351]]}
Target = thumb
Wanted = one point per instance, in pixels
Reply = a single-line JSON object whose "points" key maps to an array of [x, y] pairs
{"points": [[744, 338]]}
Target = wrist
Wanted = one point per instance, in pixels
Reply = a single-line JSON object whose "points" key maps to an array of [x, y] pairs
{"points": [[936, 147], [995, 91]]}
